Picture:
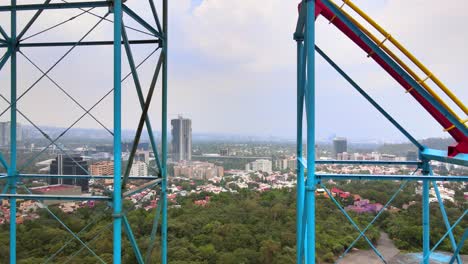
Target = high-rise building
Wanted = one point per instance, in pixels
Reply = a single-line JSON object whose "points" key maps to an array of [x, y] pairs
{"points": [[5, 133], [198, 170], [340, 145], [64, 165], [224, 152], [260, 165], [102, 168], [139, 168], [181, 139]]}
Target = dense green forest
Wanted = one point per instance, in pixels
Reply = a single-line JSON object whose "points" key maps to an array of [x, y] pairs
{"points": [[244, 227]]}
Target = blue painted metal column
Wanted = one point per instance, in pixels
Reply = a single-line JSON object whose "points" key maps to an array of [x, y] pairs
{"points": [[12, 167], [300, 187], [310, 110], [426, 205], [117, 198], [164, 137]]}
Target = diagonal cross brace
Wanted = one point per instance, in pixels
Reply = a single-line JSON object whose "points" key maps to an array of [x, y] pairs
{"points": [[55, 64], [446, 220], [155, 15], [354, 224], [133, 242], [141, 21], [154, 231], [456, 254], [82, 116], [31, 22], [143, 117], [65, 92], [369, 98], [136, 80], [46, 136], [110, 21], [444, 236], [5, 58], [67, 228], [402, 186]]}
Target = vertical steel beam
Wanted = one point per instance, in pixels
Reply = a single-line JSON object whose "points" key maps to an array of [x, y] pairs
{"points": [[164, 136], [117, 198], [310, 109], [12, 167], [425, 217], [300, 168]]}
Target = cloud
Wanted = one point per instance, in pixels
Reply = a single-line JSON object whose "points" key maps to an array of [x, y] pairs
{"points": [[232, 67]]}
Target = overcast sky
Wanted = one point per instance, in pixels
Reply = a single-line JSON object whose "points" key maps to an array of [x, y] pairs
{"points": [[232, 68]]}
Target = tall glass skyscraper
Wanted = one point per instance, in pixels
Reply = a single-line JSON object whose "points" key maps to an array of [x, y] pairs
{"points": [[181, 139], [340, 145]]}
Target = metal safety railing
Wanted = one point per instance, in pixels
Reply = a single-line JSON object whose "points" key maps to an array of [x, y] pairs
{"points": [[422, 81]]}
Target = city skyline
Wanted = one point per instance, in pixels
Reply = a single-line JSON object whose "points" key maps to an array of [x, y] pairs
{"points": [[220, 81]]}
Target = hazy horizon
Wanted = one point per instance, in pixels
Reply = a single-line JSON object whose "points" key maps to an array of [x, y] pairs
{"points": [[232, 69]]}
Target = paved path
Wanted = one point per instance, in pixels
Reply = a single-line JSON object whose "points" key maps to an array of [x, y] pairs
{"points": [[392, 255], [384, 245]]}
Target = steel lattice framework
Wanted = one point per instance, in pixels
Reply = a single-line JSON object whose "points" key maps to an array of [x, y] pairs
{"points": [[156, 32], [308, 179]]}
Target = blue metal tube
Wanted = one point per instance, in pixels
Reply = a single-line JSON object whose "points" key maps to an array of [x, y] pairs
{"points": [[42, 197], [425, 216], [446, 234], [369, 162], [440, 155], [3, 162], [369, 99], [149, 178], [360, 162], [154, 230], [164, 135], [300, 188], [4, 34], [402, 186], [84, 43], [133, 242], [155, 15], [117, 197], [5, 188], [396, 67], [141, 98], [361, 233], [31, 22], [141, 21], [5, 58], [446, 220], [321, 177], [33, 7], [459, 246], [310, 110], [12, 167], [300, 25]]}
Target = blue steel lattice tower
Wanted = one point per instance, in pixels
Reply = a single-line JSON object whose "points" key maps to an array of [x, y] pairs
{"points": [[17, 41]]}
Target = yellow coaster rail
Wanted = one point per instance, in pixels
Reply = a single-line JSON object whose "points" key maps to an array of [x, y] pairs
{"points": [[388, 37]]}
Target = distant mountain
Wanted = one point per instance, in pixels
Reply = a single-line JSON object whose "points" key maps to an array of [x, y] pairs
{"points": [[403, 148]]}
